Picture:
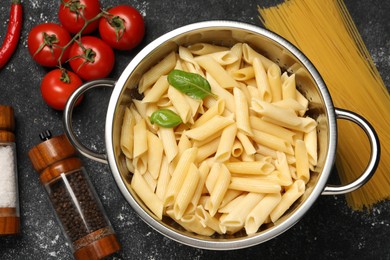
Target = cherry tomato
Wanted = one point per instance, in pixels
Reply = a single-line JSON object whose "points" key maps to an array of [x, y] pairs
{"points": [[123, 28], [57, 86], [45, 42], [71, 15], [91, 58]]}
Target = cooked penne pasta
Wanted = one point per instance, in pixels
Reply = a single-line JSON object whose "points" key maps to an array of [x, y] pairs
{"points": [[255, 168], [226, 142], [254, 185], [209, 128], [141, 188], [288, 198], [186, 191], [160, 69], [262, 80], [216, 71], [242, 112], [260, 212], [218, 192], [127, 133], [237, 159]]}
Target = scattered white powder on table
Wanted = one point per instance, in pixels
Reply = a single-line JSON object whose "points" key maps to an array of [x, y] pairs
{"points": [[7, 178]]}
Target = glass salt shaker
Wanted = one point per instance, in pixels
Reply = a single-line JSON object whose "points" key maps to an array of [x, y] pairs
{"points": [[9, 194], [77, 206]]}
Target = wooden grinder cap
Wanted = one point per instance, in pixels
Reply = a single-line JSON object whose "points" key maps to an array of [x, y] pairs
{"points": [[55, 155], [7, 124]]}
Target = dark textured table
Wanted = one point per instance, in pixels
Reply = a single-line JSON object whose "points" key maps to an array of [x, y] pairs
{"points": [[330, 230]]}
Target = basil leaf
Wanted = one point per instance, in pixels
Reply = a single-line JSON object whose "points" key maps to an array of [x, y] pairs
{"points": [[191, 84], [165, 118]]}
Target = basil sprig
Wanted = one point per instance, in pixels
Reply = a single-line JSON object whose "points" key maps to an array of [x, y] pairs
{"points": [[191, 84], [165, 118]]}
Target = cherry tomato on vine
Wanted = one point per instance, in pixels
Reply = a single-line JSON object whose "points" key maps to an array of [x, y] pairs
{"points": [[45, 42], [57, 86], [91, 58], [122, 28], [71, 15]]}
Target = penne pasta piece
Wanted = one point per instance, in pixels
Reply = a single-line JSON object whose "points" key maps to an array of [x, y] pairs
{"points": [[218, 192], [303, 101], [232, 204], [237, 51], [250, 54], [253, 168], [154, 154], [179, 174], [212, 177], [221, 93], [204, 170], [254, 185], [286, 117], [141, 188], [127, 134], [153, 74], [276, 130], [290, 103], [224, 150], [289, 88], [180, 103], [244, 74], [223, 57], [310, 140], [168, 139], [262, 80], [186, 192], [207, 220], [246, 143], [163, 179], [207, 150], [237, 149], [236, 218], [157, 90], [191, 223], [288, 198], [209, 128], [302, 163], [205, 48], [129, 165], [229, 196], [275, 82], [140, 139], [141, 163], [150, 181], [242, 112], [261, 212], [217, 109], [216, 71], [254, 92], [273, 142], [281, 165]]}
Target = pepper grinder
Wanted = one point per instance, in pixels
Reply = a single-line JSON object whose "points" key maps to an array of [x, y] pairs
{"points": [[74, 200], [9, 194]]}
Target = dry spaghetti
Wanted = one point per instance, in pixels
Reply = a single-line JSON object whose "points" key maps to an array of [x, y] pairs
{"points": [[326, 33]]}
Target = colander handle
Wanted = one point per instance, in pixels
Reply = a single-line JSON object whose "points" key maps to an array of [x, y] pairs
{"points": [[67, 118], [374, 156]]}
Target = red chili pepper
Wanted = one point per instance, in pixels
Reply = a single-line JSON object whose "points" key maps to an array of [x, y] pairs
{"points": [[13, 32]]}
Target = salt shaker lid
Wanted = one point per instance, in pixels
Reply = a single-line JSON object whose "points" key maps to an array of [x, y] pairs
{"points": [[50, 151], [7, 120]]}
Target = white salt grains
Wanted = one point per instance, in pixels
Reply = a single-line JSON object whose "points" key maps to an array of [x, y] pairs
{"points": [[8, 194]]}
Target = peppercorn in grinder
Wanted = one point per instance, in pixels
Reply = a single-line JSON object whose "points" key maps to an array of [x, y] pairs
{"points": [[9, 194], [75, 202]]}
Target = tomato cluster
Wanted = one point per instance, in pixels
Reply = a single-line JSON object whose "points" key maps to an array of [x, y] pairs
{"points": [[75, 43]]}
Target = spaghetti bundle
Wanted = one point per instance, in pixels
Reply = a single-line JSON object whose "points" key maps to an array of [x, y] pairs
{"points": [[326, 33]]}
